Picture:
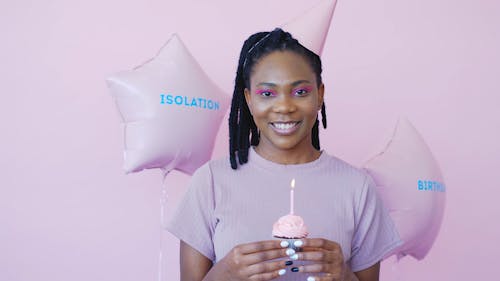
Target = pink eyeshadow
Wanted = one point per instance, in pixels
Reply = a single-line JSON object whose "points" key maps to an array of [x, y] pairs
{"points": [[259, 92]]}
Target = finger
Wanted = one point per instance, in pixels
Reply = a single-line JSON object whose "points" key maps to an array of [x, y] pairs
{"points": [[259, 246], [325, 277], [265, 267], [328, 271], [312, 268], [320, 243], [258, 257], [268, 275], [320, 256]]}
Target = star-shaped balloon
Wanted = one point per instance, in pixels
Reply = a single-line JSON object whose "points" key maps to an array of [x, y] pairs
{"points": [[412, 188], [311, 27], [171, 111]]}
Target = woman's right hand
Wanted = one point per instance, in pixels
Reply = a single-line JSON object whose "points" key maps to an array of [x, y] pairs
{"points": [[252, 261]]}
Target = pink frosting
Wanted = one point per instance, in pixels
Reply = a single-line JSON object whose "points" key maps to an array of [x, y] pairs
{"points": [[290, 226]]}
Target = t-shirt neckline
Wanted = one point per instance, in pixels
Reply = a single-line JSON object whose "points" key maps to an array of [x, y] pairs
{"points": [[254, 157]]}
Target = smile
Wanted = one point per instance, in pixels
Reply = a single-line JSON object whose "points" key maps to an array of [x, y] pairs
{"points": [[284, 128]]}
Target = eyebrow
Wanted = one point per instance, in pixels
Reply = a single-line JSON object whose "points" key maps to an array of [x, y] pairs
{"points": [[298, 82]]}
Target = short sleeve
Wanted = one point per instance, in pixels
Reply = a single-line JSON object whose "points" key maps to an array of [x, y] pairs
{"points": [[193, 221], [375, 235]]}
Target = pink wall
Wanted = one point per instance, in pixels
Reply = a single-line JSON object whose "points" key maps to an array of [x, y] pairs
{"points": [[68, 212]]}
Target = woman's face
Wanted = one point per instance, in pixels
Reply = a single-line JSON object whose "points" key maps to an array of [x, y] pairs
{"points": [[284, 100]]}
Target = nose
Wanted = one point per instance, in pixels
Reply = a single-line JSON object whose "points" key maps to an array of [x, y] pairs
{"points": [[284, 104]]}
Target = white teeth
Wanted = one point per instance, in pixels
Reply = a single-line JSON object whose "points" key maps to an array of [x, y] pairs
{"points": [[284, 126]]}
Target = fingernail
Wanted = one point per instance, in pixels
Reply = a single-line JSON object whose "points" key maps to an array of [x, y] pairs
{"points": [[295, 269], [298, 243], [294, 257], [282, 272], [310, 278], [288, 262], [284, 244], [290, 251]]}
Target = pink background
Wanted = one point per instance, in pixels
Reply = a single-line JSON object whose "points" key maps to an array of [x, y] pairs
{"points": [[67, 210]]}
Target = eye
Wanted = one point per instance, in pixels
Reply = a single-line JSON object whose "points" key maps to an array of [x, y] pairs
{"points": [[301, 92], [265, 93]]}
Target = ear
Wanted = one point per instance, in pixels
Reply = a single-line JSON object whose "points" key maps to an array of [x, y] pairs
{"points": [[246, 92], [321, 94]]}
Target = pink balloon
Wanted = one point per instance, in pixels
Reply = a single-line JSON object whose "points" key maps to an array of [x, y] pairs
{"points": [[411, 185], [171, 111]]}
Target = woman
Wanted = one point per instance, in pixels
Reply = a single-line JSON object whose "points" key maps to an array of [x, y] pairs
{"points": [[224, 221]]}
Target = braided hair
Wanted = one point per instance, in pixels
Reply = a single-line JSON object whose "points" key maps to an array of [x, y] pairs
{"points": [[242, 129]]}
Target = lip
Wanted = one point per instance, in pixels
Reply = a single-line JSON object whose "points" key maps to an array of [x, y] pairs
{"points": [[285, 128]]}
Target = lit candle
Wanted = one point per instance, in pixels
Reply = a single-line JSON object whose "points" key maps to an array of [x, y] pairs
{"points": [[292, 184]]}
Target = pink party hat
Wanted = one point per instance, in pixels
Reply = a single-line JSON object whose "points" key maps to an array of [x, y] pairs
{"points": [[311, 27]]}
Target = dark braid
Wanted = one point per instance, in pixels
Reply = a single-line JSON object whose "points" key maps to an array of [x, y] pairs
{"points": [[242, 129]]}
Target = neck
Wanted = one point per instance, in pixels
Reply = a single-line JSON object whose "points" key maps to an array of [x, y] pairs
{"points": [[288, 156]]}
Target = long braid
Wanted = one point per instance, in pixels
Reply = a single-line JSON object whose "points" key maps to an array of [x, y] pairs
{"points": [[323, 115], [243, 131], [239, 124]]}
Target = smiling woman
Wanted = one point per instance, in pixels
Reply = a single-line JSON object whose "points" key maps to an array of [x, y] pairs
{"points": [[270, 62], [225, 220], [284, 99]]}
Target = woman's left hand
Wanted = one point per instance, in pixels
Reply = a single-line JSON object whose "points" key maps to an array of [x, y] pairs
{"points": [[328, 259]]}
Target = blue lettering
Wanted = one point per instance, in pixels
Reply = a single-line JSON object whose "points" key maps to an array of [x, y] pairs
{"points": [[178, 100], [431, 186], [442, 187], [193, 102], [420, 185]]}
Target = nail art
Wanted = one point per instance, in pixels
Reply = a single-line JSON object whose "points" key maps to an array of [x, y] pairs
{"points": [[290, 252], [282, 272], [298, 243], [284, 244], [294, 257], [288, 262], [310, 278], [295, 269]]}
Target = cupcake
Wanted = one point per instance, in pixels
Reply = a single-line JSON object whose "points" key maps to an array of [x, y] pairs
{"points": [[290, 227]]}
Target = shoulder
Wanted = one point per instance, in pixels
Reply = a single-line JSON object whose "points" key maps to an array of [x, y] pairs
{"points": [[221, 164], [214, 167], [345, 171]]}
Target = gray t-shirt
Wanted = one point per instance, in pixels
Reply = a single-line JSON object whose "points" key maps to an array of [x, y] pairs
{"points": [[223, 208]]}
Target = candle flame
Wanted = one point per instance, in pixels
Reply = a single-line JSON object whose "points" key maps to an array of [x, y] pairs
{"points": [[292, 184]]}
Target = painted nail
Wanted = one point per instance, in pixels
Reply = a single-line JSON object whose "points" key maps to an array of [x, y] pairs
{"points": [[294, 257], [282, 272], [284, 244], [290, 252], [295, 269], [298, 243], [288, 262], [310, 278]]}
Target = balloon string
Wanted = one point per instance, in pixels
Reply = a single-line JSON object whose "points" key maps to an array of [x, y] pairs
{"points": [[395, 269], [163, 202]]}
